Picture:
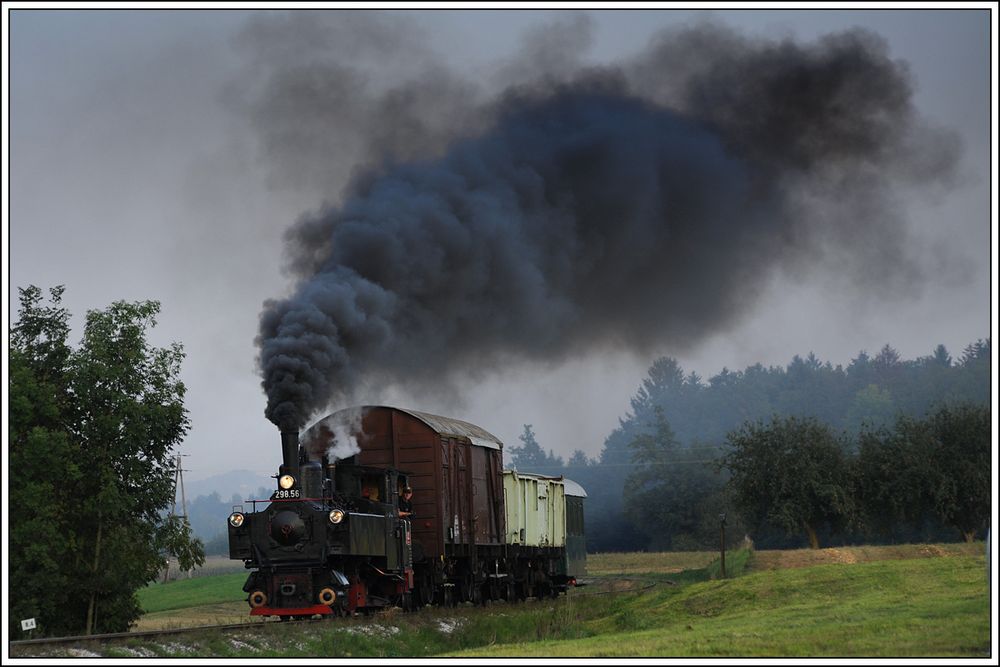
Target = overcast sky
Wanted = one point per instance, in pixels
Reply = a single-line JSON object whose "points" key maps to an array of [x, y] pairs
{"points": [[149, 161]]}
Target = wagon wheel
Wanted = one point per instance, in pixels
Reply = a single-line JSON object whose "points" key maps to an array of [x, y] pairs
{"points": [[477, 595], [509, 591], [425, 590], [467, 592]]}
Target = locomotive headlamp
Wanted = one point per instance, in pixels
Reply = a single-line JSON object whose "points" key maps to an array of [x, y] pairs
{"points": [[236, 519], [286, 481], [336, 516]]}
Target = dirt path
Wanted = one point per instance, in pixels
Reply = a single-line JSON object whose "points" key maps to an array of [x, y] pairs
{"points": [[774, 560]]}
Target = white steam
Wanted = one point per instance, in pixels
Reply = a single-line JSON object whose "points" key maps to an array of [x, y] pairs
{"points": [[336, 434]]}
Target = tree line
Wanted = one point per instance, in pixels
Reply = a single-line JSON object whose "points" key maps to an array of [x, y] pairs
{"points": [[664, 476], [797, 475], [92, 431]]}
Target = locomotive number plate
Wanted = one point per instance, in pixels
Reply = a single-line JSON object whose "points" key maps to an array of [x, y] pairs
{"points": [[285, 494]]}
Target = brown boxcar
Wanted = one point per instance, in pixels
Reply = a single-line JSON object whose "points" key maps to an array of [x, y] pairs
{"points": [[454, 468]]}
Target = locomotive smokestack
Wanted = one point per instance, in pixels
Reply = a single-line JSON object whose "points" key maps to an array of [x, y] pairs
{"points": [[290, 453]]}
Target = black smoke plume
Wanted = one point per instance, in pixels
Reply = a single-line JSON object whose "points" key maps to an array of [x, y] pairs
{"points": [[629, 207]]}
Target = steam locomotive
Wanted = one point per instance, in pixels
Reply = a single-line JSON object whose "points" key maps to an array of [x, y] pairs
{"points": [[330, 539]]}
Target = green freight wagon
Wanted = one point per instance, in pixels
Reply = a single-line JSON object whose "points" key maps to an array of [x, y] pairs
{"points": [[544, 521]]}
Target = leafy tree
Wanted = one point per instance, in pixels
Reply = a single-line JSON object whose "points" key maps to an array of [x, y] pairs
{"points": [[886, 361], [872, 407], [791, 473], [895, 475], [962, 458], [665, 494], [578, 460], [607, 529], [179, 541], [974, 374], [941, 357], [936, 466], [530, 456], [979, 351], [93, 438], [43, 461]]}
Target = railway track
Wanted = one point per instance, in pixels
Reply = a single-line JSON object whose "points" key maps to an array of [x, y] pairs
{"points": [[80, 639], [253, 625]]}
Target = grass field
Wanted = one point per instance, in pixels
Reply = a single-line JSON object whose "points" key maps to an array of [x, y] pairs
{"points": [[916, 607], [186, 593], [907, 601]]}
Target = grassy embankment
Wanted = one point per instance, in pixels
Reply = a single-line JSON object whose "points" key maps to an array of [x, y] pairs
{"points": [[921, 600], [914, 607]]}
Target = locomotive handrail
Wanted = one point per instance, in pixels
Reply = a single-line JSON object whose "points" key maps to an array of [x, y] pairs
{"points": [[254, 501], [282, 500]]}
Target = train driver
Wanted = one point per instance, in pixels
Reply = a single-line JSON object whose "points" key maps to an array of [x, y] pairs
{"points": [[406, 503]]}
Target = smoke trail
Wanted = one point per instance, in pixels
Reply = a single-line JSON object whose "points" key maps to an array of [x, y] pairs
{"points": [[626, 207]]}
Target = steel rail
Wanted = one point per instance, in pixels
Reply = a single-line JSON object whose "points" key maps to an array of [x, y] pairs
{"points": [[126, 635]]}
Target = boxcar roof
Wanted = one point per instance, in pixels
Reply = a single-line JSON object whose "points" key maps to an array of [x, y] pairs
{"points": [[574, 489], [457, 428], [446, 426]]}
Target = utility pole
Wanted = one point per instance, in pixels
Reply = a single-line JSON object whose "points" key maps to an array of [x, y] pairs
{"points": [[722, 541], [178, 484]]}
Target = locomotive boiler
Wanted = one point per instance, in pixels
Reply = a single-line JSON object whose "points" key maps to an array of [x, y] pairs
{"points": [[330, 539]]}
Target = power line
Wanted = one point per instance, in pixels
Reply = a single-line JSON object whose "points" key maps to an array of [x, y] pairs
{"points": [[617, 465]]}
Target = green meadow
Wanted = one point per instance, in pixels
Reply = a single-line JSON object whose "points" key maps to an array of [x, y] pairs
{"points": [[912, 601], [186, 593], [933, 607]]}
